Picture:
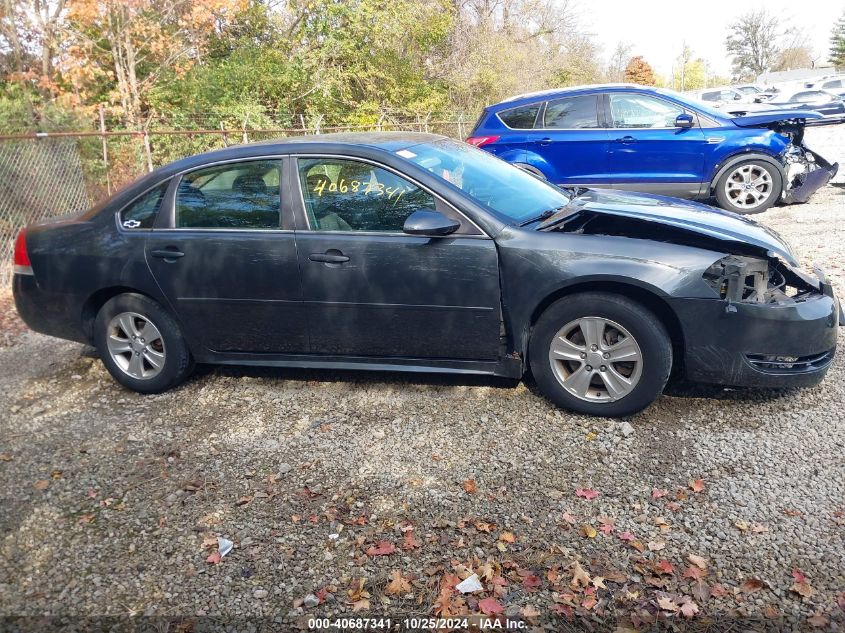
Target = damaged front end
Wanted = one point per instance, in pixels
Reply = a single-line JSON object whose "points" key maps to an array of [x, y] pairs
{"points": [[742, 279], [806, 172]]}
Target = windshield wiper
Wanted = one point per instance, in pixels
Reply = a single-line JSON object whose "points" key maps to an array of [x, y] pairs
{"points": [[543, 216]]}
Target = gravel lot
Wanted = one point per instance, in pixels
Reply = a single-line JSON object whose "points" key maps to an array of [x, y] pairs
{"points": [[108, 497]]}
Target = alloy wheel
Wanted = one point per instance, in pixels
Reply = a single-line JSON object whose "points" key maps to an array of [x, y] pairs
{"points": [[748, 186], [135, 345], [596, 359]]}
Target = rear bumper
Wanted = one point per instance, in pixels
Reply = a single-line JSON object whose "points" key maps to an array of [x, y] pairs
{"points": [[758, 345], [47, 312]]}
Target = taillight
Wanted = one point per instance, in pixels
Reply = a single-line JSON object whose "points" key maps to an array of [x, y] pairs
{"points": [[481, 141], [21, 259]]}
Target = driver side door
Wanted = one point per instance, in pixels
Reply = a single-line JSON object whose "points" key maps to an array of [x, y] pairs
{"points": [[370, 289]]}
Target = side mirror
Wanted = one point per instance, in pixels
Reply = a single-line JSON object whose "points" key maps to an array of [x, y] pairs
{"points": [[684, 121], [431, 223]]}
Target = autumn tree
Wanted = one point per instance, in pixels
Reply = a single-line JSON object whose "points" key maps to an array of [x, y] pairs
{"points": [[837, 43], [133, 42], [639, 71], [757, 43], [619, 61]]}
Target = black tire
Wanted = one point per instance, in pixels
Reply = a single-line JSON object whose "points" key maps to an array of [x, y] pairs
{"points": [[647, 330], [178, 362], [726, 202]]}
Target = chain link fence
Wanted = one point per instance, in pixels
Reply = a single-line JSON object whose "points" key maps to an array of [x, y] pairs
{"points": [[49, 175], [38, 180]]}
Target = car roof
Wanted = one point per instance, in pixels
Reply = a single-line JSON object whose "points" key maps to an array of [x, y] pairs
{"points": [[530, 97]]}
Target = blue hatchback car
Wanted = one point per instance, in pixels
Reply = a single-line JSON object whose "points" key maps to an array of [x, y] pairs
{"points": [[626, 136]]}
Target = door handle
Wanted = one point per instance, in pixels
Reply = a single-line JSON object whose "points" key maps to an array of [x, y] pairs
{"points": [[167, 253], [329, 258], [626, 139], [544, 141]]}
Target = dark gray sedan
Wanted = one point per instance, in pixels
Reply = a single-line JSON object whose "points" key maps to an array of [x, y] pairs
{"points": [[418, 253]]}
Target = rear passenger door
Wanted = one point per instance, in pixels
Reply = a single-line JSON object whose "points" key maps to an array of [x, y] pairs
{"points": [[569, 142], [226, 260]]}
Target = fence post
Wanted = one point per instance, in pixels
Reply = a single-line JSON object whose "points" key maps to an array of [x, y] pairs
{"points": [[245, 137], [461, 127], [318, 124], [224, 134], [147, 148], [105, 148]]}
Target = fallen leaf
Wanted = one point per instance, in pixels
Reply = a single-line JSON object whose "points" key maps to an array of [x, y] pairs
{"points": [[696, 573], [742, 526], [531, 583], [579, 576], [5, 457], [587, 493], [382, 548], [243, 501], [530, 612], [803, 589], [718, 590], [490, 606], [697, 485], [656, 546], [470, 486], [665, 566], [792, 513], [589, 603], [667, 604], [398, 585], [591, 436], [483, 526], [698, 561], [757, 528], [798, 575], [751, 585], [627, 536], [818, 620], [689, 609], [41, 484], [56, 474], [356, 590], [589, 531], [507, 537], [213, 559], [409, 542], [771, 612], [87, 518], [656, 493], [598, 583], [209, 542], [568, 517], [361, 605]]}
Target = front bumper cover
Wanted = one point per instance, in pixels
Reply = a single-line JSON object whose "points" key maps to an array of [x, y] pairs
{"points": [[758, 345], [805, 185]]}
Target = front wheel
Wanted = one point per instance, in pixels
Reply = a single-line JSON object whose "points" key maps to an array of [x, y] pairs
{"points": [[600, 354], [750, 187], [140, 344]]}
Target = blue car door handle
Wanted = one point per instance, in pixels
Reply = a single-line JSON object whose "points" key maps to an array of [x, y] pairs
{"points": [[544, 141], [169, 253], [626, 139]]}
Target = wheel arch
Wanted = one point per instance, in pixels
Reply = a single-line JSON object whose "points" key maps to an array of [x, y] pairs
{"points": [[92, 305], [735, 159], [648, 298]]}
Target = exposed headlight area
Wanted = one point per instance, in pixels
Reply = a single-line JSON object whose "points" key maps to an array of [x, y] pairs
{"points": [[742, 279]]}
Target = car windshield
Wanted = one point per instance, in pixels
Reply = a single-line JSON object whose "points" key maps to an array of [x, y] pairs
{"points": [[693, 104], [505, 189], [749, 90]]}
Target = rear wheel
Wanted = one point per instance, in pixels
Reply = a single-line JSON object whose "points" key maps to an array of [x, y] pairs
{"points": [[600, 354], [749, 187], [140, 344]]}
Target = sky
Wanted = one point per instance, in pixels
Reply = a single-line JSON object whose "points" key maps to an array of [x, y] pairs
{"points": [[658, 30]]}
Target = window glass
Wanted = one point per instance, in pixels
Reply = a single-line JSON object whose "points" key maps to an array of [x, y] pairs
{"points": [[235, 196], [836, 83], [141, 213], [492, 182], [348, 195], [710, 96], [520, 118], [806, 96], [572, 113], [640, 111]]}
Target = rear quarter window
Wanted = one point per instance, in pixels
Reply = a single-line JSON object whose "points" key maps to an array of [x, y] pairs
{"points": [[521, 118], [141, 212]]}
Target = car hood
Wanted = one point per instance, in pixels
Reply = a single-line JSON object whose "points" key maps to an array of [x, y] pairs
{"points": [[765, 119], [661, 218]]}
